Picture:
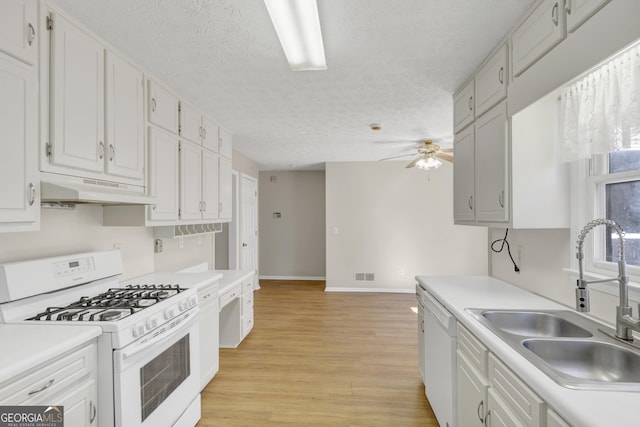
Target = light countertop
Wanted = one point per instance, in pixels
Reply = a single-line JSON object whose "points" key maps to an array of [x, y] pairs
{"points": [[184, 279], [580, 408], [230, 278], [27, 346]]}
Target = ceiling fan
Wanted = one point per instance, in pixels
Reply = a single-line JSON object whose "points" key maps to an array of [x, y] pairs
{"points": [[429, 154]]}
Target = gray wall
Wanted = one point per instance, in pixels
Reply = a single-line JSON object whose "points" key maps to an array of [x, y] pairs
{"points": [[293, 245]]}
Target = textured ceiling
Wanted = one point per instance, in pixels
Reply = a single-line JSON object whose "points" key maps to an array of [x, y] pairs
{"points": [[393, 62]]}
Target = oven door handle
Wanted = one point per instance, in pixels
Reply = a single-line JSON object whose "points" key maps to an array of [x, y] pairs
{"points": [[170, 330]]}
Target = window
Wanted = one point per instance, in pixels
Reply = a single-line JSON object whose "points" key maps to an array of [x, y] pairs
{"points": [[614, 187]]}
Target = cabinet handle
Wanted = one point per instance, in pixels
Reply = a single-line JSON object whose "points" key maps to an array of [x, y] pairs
{"points": [[112, 152], [567, 7], [32, 34], [32, 194], [471, 103], [101, 152], [422, 326], [153, 105], [471, 202], [501, 199], [204, 132], [487, 418], [479, 411], [43, 388], [93, 411], [244, 245], [554, 14], [220, 207], [501, 75]]}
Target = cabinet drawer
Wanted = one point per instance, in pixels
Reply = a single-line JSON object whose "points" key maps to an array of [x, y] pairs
{"points": [[40, 385], [208, 296], [521, 399], [247, 304], [232, 293], [247, 287], [247, 323], [472, 349]]}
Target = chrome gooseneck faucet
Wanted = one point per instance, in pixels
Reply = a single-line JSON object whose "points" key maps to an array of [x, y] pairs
{"points": [[625, 323]]}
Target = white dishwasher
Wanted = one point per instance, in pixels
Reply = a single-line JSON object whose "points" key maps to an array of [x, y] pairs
{"points": [[440, 360]]}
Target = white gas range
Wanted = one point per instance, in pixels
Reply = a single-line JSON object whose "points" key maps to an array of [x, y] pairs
{"points": [[148, 354]]}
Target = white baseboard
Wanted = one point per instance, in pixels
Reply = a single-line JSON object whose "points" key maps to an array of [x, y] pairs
{"points": [[292, 278], [380, 290]]}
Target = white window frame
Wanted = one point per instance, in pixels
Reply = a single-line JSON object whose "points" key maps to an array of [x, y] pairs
{"points": [[589, 178]]}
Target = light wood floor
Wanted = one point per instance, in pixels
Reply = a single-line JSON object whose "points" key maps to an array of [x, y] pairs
{"points": [[321, 358]]}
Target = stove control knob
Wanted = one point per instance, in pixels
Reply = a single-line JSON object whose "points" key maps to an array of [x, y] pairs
{"points": [[152, 323], [193, 301], [170, 313], [138, 330], [183, 305]]}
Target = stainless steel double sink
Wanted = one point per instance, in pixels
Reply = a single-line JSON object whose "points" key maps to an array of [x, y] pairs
{"points": [[572, 349]]}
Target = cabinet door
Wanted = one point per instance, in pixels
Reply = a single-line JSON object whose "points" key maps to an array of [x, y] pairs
{"points": [[210, 174], [209, 344], [579, 11], [491, 165], [19, 179], [163, 108], [499, 414], [190, 181], [164, 175], [554, 420], [543, 29], [491, 82], [463, 107], [464, 176], [190, 123], [224, 142], [77, 98], [210, 135], [471, 392], [18, 22], [125, 118], [225, 189], [80, 408]]}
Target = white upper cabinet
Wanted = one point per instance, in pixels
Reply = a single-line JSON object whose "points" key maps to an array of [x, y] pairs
{"points": [[463, 107], [18, 29], [210, 135], [491, 82], [164, 175], [224, 143], [76, 98], [492, 165], [225, 194], [464, 175], [19, 178], [125, 118], [190, 123], [210, 177], [578, 11], [190, 181], [163, 108], [542, 30]]}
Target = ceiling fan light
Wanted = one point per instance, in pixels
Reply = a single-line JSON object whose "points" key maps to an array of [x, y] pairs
{"points": [[298, 27], [432, 163]]}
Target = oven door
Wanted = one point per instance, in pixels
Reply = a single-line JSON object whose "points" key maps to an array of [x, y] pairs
{"points": [[156, 380]]}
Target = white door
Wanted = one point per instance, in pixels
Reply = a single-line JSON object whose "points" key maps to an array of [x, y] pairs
{"points": [[19, 195], [210, 135], [491, 165], [463, 108], [224, 143], [190, 181], [18, 36], [190, 123], [77, 98], [209, 185], [249, 234], [491, 82], [164, 174], [464, 175], [163, 108], [225, 196], [125, 118]]}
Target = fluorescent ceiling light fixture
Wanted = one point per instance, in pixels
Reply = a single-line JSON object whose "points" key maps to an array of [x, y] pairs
{"points": [[298, 27]]}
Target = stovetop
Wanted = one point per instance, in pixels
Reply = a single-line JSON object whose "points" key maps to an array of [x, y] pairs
{"points": [[111, 305]]}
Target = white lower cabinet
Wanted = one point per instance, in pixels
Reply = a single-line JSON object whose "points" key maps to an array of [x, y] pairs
{"points": [[489, 394], [68, 380], [209, 333]]}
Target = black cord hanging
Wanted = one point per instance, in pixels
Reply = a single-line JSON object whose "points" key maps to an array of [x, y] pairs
{"points": [[505, 242]]}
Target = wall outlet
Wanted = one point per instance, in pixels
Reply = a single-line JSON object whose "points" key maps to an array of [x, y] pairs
{"points": [[400, 271], [117, 245], [335, 231], [157, 247]]}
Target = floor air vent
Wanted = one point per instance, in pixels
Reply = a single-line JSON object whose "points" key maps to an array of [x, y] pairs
{"points": [[365, 277]]}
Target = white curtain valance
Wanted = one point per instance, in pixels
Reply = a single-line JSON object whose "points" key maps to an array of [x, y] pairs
{"points": [[600, 112]]}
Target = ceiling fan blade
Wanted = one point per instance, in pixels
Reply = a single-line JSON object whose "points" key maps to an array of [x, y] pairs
{"points": [[444, 156], [396, 157], [413, 163]]}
